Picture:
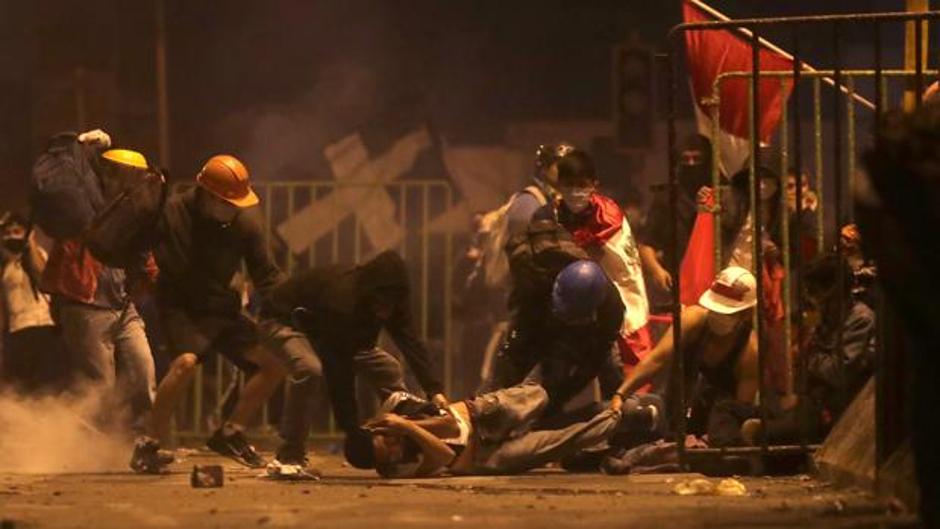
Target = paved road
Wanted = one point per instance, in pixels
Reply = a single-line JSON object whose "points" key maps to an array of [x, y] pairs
{"points": [[348, 498]]}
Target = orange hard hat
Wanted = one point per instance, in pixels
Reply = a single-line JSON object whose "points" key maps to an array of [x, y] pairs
{"points": [[227, 178]]}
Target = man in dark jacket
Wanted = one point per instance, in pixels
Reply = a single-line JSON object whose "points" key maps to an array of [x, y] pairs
{"points": [[205, 235], [340, 311], [836, 375]]}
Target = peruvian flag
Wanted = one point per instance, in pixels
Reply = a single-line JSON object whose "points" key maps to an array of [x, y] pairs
{"points": [[713, 52]]}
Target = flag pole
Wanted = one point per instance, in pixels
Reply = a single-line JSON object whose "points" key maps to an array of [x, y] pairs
{"points": [[776, 49]]}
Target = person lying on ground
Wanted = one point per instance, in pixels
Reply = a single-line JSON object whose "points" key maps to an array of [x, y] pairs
{"points": [[490, 434]]}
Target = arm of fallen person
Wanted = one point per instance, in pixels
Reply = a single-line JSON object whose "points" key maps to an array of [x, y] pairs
{"points": [[692, 320], [436, 454], [444, 426]]}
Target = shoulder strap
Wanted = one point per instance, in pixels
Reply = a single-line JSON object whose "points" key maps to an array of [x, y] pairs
{"points": [[537, 193]]}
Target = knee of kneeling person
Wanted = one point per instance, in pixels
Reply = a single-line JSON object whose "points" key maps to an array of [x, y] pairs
{"points": [[304, 373], [185, 362]]}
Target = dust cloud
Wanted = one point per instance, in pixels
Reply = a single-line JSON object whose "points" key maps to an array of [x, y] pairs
{"points": [[49, 435]]}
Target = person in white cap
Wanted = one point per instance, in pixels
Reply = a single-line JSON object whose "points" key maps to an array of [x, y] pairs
{"points": [[719, 342]]}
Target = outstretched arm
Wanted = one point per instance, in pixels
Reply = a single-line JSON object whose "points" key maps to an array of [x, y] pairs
{"points": [[692, 320]]}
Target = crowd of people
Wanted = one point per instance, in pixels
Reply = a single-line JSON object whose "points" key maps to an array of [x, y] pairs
{"points": [[567, 285]]}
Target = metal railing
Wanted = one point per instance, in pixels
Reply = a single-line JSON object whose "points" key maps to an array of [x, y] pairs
{"points": [[844, 81], [429, 254]]}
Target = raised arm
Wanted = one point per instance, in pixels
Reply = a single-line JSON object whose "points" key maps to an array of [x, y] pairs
{"points": [[436, 454]]}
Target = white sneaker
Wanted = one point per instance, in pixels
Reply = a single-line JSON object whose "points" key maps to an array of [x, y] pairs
{"points": [[291, 471]]}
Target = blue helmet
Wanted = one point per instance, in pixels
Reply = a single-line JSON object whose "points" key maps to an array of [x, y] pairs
{"points": [[579, 289]]}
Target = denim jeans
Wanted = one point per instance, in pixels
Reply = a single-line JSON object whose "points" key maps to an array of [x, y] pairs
{"points": [[111, 360]]}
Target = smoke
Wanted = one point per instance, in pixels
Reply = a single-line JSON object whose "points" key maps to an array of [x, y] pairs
{"points": [[46, 435], [286, 140]]}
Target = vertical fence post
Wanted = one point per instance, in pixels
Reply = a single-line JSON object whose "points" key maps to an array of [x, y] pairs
{"points": [[850, 141], [448, 298], [715, 108], [677, 379], [818, 151], [837, 169], [785, 242], [880, 334], [757, 225], [797, 283], [424, 261]]}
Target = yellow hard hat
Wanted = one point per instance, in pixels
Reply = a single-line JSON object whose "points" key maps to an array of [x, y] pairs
{"points": [[126, 157]]}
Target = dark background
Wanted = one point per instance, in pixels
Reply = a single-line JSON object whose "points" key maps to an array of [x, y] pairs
{"points": [[275, 81]]}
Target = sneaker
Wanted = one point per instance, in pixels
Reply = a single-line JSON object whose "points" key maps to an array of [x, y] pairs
{"points": [[752, 432], [292, 470], [148, 458], [235, 447]]}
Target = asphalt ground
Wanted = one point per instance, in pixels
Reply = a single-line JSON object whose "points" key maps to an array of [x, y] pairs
{"points": [[346, 498]]}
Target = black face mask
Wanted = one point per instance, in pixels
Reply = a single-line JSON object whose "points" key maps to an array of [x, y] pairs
{"points": [[216, 211], [693, 177], [15, 245]]}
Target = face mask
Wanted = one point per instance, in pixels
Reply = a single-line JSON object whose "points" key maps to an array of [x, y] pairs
{"points": [[721, 324], [217, 210], [15, 245], [577, 199]]}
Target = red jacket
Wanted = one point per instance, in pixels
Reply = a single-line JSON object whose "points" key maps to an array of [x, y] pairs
{"points": [[72, 271]]}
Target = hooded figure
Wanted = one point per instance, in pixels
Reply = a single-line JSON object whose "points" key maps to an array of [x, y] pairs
{"points": [[342, 310], [694, 172]]}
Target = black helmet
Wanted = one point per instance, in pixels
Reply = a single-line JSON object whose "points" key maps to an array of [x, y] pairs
{"points": [[546, 154]]}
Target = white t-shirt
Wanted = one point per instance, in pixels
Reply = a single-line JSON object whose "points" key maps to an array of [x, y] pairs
{"points": [[24, 308]]}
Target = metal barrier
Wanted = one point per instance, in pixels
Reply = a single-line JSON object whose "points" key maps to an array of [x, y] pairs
{"points": [[852, 128], [429, 254], [844, 81]]}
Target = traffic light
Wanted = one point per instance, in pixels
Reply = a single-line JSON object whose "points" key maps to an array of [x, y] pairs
{"points": [[633, 97]]}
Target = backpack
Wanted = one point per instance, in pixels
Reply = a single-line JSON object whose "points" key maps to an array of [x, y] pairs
{"points": [[127, 225], [495, 226], [538, 254], [63, 189]]}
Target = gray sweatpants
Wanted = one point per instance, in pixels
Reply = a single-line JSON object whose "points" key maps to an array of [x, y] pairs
{"points": [[502, 420]]}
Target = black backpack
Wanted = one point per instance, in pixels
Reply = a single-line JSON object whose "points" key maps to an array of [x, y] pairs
{"points": [[538, 254], [127, 225], [64, 193]]}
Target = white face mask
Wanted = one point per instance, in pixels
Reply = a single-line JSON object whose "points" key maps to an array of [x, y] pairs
{"points": [[577, 199], [721, 324]]}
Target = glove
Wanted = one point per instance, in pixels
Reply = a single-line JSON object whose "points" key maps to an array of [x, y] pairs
{"points": [[95, 137]]}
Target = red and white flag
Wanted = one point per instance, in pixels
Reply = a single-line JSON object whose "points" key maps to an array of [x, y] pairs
{"points": [[713, 52]]}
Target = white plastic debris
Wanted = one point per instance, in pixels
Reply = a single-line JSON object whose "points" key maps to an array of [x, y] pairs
{"points": [[695, 487], [704, 487]]}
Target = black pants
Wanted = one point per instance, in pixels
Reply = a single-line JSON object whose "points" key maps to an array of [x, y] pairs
{"points": [[34, 360]]}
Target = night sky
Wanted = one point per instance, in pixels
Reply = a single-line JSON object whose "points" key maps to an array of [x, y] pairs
{"points": [[287, 77]]}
